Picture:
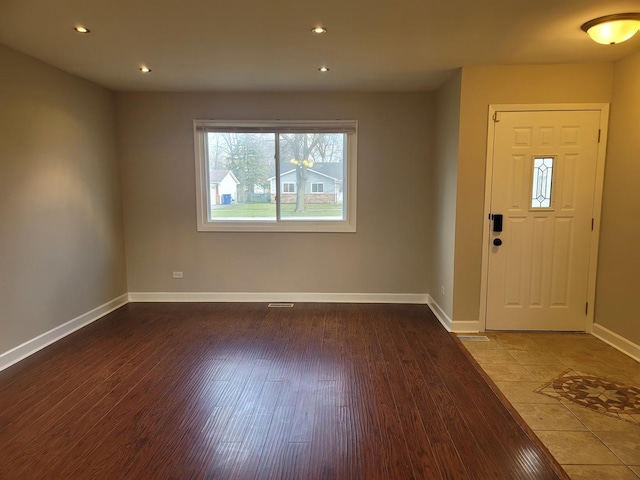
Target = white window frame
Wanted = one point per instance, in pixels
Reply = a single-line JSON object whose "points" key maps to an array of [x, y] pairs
{"points": [[315, 184], [348, 127], [288, 183]]}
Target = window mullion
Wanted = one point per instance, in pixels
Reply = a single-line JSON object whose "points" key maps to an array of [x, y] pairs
{"points": [[277, 160], [206, 175]]}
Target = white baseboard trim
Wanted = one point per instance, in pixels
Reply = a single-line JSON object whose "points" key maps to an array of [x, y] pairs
{"points": [[442, 317], [472, 326], [30, 347], [616, 341], [416, 298], [466, 326]]}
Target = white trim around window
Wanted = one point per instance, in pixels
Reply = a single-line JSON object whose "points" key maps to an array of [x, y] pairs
{"points": [[279, 216]]}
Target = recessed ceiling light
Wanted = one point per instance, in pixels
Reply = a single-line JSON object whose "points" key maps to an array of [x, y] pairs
{"points": [[145, 69], [81, 29], [324, 69], [319, 30]]}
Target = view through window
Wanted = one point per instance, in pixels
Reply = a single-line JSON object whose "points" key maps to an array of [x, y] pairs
{"points": [[276, 176]]}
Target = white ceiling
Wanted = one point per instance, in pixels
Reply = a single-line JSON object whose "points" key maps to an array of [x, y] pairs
{"points": [[259, 45]]}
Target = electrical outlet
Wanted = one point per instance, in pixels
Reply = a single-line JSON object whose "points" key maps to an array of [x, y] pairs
{"points": [[178, 275], [442, 291]]}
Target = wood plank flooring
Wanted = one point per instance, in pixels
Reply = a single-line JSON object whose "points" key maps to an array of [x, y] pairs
{"points": [[242, 391]]}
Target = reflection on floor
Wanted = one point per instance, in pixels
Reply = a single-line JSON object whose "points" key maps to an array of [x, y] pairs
{"points": [[580, 396]]}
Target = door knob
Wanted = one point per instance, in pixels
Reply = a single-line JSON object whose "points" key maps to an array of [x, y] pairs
{"points": [[497, 242]]}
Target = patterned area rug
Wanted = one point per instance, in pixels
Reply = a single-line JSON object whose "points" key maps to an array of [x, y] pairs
{"points": [[601, 395]]}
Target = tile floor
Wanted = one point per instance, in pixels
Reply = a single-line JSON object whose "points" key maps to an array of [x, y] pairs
{"points": [[588, 444]]}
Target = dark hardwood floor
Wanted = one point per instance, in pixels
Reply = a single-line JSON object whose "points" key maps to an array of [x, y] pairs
{"points": [[240, 391]]}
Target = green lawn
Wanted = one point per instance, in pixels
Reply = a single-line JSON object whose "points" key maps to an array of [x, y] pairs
{"points": [[266, 210]]}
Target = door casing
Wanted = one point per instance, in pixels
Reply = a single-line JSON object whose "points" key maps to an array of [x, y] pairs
{"points": [[603, 108]]}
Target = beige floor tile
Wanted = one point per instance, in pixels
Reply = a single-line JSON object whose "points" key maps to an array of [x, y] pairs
{"points": [[626, 445], [620, 360], [562, 341], [545, 373], [546, 337], [537, 357], [582, 440], [549, 417], [507, 372], [605, 371], [523, 392], [597, 422], [599, 472], [481, 346], [571, 360], [577, 448], [516, 341], [633, 373], [596, 345], [490, 335], [493, 356]]}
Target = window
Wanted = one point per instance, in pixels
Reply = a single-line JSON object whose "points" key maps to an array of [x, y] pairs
{"points": [[262, 176], [542, 182]]}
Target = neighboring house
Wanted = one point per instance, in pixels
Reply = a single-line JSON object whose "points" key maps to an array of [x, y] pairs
{"points": [[223, 186], [324, 184]]}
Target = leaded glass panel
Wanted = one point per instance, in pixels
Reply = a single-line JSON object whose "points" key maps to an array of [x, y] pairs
{"points": [[542, 182]]}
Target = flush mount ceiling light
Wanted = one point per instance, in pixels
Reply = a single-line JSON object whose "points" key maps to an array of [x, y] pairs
{"points": [[145, 69], [319, 30], [323, 69], [81, 29], [612, 29]]}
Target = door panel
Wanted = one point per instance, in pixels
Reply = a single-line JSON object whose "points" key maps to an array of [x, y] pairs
{"points": [[543, 180]]}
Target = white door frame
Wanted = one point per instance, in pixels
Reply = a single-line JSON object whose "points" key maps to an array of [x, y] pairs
{"points": [[603, 108]]}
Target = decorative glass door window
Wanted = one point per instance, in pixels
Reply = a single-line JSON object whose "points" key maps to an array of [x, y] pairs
{"points": [[542, 182]]}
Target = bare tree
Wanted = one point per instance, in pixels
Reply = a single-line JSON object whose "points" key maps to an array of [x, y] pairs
{"points": [[246, 155], [300, 146], [249, 156], [329, 147]]}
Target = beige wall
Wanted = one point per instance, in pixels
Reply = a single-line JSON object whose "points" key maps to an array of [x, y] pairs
{"points": [[420, 193], [617, 306], [388, 254], [482, 86], [443, 189], [61, 239]]}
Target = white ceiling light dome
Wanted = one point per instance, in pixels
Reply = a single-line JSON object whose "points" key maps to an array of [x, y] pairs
{"points": [[612, 29]]}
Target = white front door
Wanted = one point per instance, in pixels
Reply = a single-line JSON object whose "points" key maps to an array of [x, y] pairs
{"points": [[543, 186]]}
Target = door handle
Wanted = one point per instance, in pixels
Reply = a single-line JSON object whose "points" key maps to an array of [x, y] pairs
{"points": [[497, 222]]}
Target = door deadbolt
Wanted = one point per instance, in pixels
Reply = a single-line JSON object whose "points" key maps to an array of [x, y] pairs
{"points": [[497, 222]]}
